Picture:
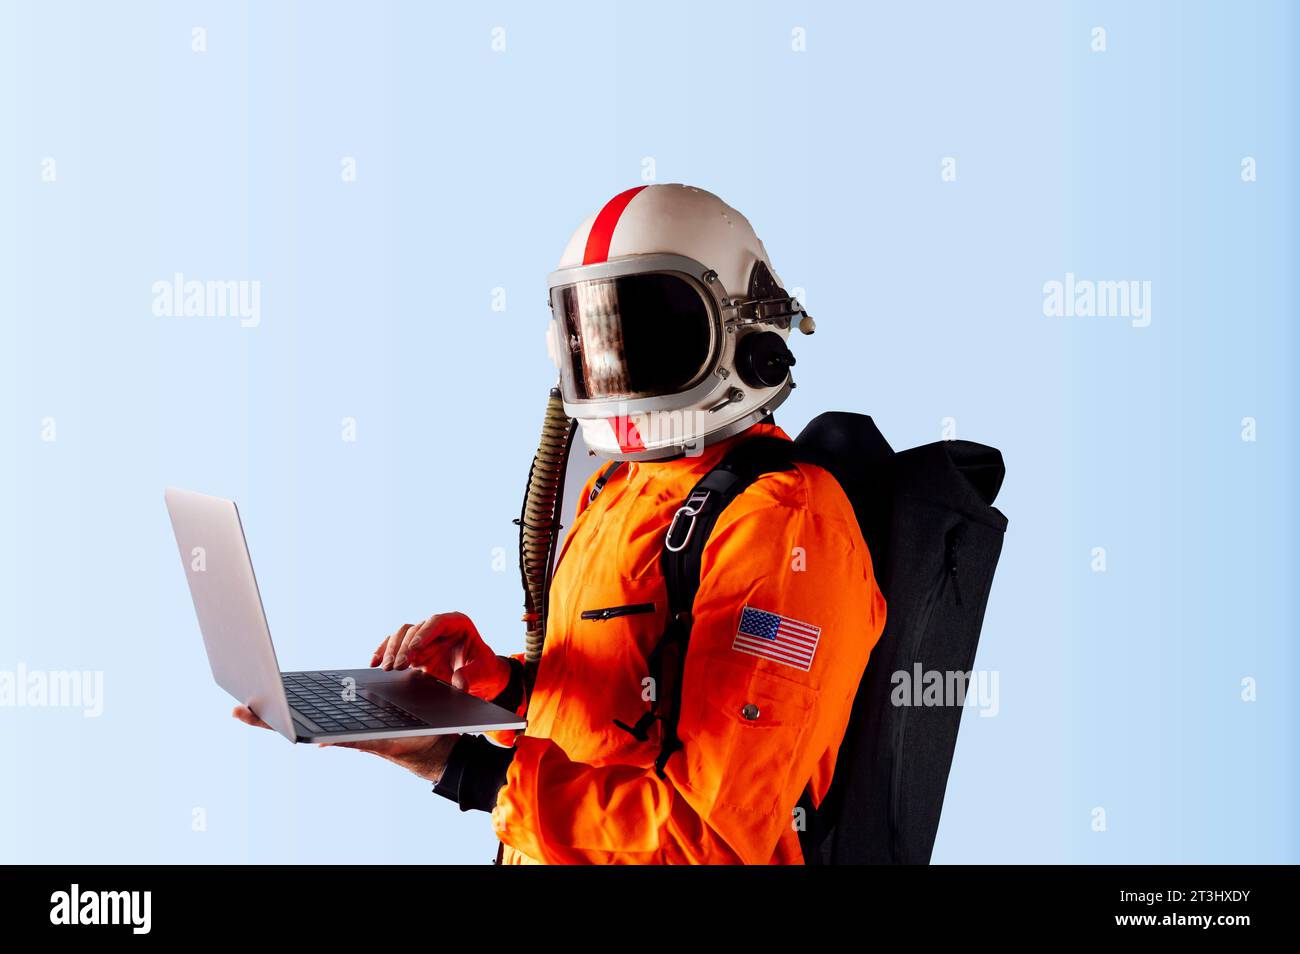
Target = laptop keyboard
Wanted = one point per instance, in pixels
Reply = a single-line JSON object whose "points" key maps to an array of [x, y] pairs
{"points": [[324, 699]]}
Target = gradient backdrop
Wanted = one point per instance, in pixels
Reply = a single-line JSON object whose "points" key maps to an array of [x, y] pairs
{"points": [[381, 302]]}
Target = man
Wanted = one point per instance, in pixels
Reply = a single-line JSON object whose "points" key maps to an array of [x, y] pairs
{"points": [[669, 329]]}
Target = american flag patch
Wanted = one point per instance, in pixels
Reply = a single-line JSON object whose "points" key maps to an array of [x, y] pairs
{"points": [[778, 638]]}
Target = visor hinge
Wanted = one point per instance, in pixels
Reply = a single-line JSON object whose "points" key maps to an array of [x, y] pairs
{"points": [[741, 313]]}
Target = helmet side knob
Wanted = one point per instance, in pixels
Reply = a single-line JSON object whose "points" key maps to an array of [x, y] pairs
{"points": [[763, 359]]}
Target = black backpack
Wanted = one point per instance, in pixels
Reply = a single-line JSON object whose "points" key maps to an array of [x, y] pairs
{"points": [[934, 536]]}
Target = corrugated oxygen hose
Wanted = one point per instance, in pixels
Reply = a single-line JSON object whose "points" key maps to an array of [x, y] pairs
{"points": [[539, 524]]}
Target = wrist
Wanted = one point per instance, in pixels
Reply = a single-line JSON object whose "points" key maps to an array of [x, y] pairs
{"points": [[435, 761], [511, 694], [475, 772]]}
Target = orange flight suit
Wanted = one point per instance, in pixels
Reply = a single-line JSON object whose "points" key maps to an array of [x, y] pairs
{"points": [[755, 730]]}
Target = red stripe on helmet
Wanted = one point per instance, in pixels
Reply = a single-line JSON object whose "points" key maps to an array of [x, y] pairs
{"points": [[626, 433], [602, 230]]}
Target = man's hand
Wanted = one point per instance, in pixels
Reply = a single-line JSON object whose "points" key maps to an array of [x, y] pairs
{"points": [[447, 646], [424, 755]]}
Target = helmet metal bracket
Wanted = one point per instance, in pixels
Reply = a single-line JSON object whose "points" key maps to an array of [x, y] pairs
{"points": [[767, 303]]}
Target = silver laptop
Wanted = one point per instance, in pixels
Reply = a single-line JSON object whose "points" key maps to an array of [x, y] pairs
{"points": [[337, 705]]}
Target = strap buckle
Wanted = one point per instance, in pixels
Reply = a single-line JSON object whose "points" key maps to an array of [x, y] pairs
{"points": [[690, 510], [641, 730], [603, 479]]}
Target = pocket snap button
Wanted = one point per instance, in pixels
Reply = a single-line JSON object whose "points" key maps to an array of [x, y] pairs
{"points": [[749, 711]]}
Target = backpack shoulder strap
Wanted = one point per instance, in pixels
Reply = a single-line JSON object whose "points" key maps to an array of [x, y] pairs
{"points": [[693, 523], [603, 479], [681, 558]]}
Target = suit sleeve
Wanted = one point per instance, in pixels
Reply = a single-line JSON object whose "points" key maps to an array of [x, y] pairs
{"points": [[757, 713]]}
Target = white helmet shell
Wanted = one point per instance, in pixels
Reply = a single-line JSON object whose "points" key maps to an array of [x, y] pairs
{"points": [[736, 370]]}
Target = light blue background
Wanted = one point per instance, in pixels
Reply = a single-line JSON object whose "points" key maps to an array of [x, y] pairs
{"points": [[1119, 690]]}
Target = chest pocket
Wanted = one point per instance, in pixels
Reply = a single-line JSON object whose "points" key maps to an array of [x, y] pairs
{"points": [[614, 612], [600, 665], [740, 728]]}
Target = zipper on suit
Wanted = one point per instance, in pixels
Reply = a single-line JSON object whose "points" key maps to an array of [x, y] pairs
{"points": [[611, 612]]}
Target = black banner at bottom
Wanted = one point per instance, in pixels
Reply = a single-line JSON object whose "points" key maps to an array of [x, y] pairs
{"points": [[331, 904]]}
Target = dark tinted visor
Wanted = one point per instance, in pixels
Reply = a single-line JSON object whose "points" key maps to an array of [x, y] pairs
{"points": [[634, 336]]}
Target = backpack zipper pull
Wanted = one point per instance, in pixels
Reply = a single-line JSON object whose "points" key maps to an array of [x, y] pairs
{"points": [[954, 541]]}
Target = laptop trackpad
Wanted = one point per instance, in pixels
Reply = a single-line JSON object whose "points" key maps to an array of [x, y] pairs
{"points": [[429, 699]]}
